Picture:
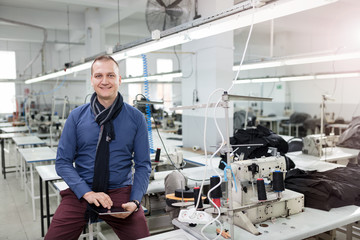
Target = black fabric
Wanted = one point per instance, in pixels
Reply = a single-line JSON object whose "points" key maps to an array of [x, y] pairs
{"points": [[258, 135], [351, 136], [104, 118], [325, 190]]}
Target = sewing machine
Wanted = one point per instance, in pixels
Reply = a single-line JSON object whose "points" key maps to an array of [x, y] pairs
{"points": [[316, 144], [248, 210]]}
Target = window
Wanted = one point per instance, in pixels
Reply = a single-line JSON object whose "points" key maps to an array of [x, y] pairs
{"points": [[7, 97], [134, 68], [7, 65]]}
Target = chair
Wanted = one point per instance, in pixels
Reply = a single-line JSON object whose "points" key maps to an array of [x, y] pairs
{"points": [[295, 144], [91, 233], [61, 185]]}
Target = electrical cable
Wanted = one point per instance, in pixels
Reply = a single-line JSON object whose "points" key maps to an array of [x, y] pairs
{"points": [[221, 135], [87, 97], [148, 109], [192, 68], [177, 57], [171, 161]]}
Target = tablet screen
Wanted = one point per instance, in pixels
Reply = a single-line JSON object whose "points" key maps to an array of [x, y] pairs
{"points": [[105, 211]]}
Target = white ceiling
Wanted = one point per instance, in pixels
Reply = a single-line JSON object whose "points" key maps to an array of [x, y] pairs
{"points": [[53, 15]]}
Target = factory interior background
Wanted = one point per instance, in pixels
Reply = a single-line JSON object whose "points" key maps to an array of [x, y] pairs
{"points": [[301, 59]]}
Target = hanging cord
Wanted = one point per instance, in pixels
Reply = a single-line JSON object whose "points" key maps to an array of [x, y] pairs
{"points": [[68, 28], [222, 137], [118, 11]]}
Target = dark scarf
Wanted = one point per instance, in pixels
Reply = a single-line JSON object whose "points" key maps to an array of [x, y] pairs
{"points": [[103, 117]]}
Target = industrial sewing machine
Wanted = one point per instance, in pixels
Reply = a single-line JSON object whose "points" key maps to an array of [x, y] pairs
{"points": [[253, 206], [316, 144]]}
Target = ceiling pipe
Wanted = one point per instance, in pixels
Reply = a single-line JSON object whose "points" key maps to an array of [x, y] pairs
{"points": [[41, 52]]}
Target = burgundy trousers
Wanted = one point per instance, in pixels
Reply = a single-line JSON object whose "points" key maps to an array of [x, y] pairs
{"points": [[69, 219]]}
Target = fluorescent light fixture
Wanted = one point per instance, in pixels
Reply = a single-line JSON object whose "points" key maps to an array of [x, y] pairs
{"points": [[261, 80], [270, 11], [163, 77], [258, 65], [242, 81], [228, 20], [337, 75], [326, 58], [63, 72], [298, 61], [297, 78]]}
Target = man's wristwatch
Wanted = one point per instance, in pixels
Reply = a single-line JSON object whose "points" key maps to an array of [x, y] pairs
{"points": [[137, 205]]}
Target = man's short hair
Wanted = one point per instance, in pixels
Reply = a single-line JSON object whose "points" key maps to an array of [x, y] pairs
{"points": [[104, 58]]}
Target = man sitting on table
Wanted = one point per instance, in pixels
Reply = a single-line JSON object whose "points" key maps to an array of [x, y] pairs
{"points": [[103, 138]]}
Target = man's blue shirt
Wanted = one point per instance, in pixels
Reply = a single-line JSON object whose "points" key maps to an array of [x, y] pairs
{"points": [[78, 145]]}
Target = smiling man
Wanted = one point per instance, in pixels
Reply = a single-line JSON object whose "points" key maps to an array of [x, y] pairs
{"points": [[105, 139]]}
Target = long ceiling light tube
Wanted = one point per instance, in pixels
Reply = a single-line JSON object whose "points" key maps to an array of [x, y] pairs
{"points": [[299, 78], [237, 17], [298, 61], [162, 77]]}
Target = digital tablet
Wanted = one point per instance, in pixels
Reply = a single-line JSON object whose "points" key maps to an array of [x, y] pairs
{"points": [[111, 211]]}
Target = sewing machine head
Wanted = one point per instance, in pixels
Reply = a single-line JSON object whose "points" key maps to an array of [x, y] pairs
{"points": [[316, 144], [247, 172]]}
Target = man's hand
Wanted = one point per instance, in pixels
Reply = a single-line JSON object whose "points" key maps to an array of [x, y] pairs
{"points": [[98, 198], [129, 206]]}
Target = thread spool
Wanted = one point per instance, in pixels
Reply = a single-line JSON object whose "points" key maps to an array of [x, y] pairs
{"points": [[197, 195], [215, 194], [157, 155], [195, 148], [261, 189], [278, 181]]}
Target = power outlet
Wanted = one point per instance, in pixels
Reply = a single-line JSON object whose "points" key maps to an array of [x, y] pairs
{"points": [[193, 216]]}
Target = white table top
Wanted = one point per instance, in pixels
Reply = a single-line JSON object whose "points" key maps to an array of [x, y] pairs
{"points": [[28, 140], [14, 129], [339, 125], [158, 185], [47, 172], [201, 160], [299, 226], [6, 124], [61, 185], [178, 234], [37, 154], [11, 135], [332, 154], [273, 119], [310, 162]]}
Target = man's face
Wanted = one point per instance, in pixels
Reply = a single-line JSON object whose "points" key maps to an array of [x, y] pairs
{"points": [[105, 80]]}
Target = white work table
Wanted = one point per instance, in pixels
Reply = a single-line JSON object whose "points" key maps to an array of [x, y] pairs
{"points": [[299, 226], [28, 140], [333, 155], [3, 137], [30, 157], [14, 129], [158, 185], [46, 173], [276, 120]]}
